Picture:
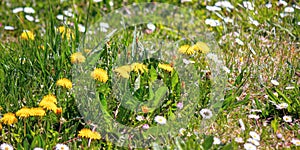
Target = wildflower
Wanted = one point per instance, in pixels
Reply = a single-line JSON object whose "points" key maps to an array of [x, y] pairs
{"points": [[58, 110], [100, 75], [287, 118], [274, 82], [253, 141], [289, 87], [249, 146], [242, 124], [254, 135], [288, 9], [228, 20], [185, 49], [50, 98], [29, 18], [282, 106], [182, 131], [26, 35], [212, 22], [254, 22], [295, 142], [240, 42], [29, 10], [64, 82], [37, 112], [255, 110], [65, 32], [60, 17], [68, 13], [10, 28], [61, 147], [282, 2], [217, 141], [145, 126], [269, 5], [252, 116], [201, 47], [160, 120], [225, 4], [17, 10], [48, 105], [139, 118], [87, 133], [0, 127], [38, 148], [179, 105], [23, 112], [213, 8], [5, 146], [77, 58], [123, 71], [42, 47], [239, 140], [151, 26], [145, 109], [248, 5], [206, 113], [139, 67], [279, 135], [9, 119], [166, 67]]}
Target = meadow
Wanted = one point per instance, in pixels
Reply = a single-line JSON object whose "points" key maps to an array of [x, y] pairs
{"points": [[193, 75]]}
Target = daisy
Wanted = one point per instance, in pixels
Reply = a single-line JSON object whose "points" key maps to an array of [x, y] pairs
{"points": [[145, 126], [160, 120], [253, 141], [225, 4], [100, 75], [282, 2], [254, 135], [61, 147], [9, 28], [287, 118], [213, 8], [274, 82], [29, 10], [248, 5], [239, 140], [206, 113], [6, 146], [212, 22], [249, 146], [217, 141], [139, 118], [282, 106], [17, 10], [240, 42], [269, 5], [182, 131], [288, 9], [60, 17], [242, 125], [81, 28], [29, 18], [38, 148], [151, 26], [296, 142], [252, 116]]}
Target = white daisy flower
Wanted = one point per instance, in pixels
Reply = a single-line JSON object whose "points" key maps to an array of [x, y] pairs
{"points": [[240, 42], [298, 23], [97, 1], [213, 8], [255, 110], [252, 21], [5, 146], [275, 94], [252, 116], [242, 125], [61, 147], [60, 17], [239, 140], [269, 5], [226, 69], [206, 113], [282, 2], [274, 82], [29, 18], [288, 9], [282, 106], [253, 141], [151, 26], [295, 142], [287, 118], [29, 10], [38, 148], [182, 131], [184, 1], [9, 28], [17, 10], [289, 87], [228, 20], [248, 5], [145, 126], [160, 120], [249, 146], [217, 141], [296, 6], [139, 118], [212, 22], [225, 4], [81, 28], [282, 15], [254, 135], [68, 13]]}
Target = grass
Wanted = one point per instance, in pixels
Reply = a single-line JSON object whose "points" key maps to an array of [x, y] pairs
{"points": [[30, 69]]}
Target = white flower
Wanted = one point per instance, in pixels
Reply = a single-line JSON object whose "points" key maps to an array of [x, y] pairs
{"points": [[253, 141], [17, 10], [29, 10], [217, 141], [228, 20], [160, 120], [139, 118], [37, 148], [242, 124], [289, 87], [296, 6], [254, 135], [288, 9], [96, 1], [249, 146], [181, 131], [287, 118], [29, 18], [145, 126], [6, 146], [183, 1], [239, 140], [252, 21], [240, 42], [151, 26], [275, 94], [68, 13], [282, 106], [296, 142], [252, 116], [61, 147], [9, 28], [213, 8], [255, 110], [206, 113], [212, 22], [274, 82], [298, 23], [224, 4], [281, 2], [269, 5], [248, 5], [81, 28], [282, 15], [226, 69]]}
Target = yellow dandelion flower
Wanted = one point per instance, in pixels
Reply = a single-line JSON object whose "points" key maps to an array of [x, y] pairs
{"points": [[37, 112], [77, 58], [23, 112], [50, 98], [0, 127], [42, 47], [9, 119], [87, 133], [65, 32], [64, 82], [27, 35], [123, 71], [139, 67], [166, 67], [201, 47], [87, 51], [48, 105], [100, 75], [186, 49]]}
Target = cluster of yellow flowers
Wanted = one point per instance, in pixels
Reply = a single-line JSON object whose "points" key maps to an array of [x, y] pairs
{"points": [[125, 70], [200, 47], [49, 102], [87, 133], [26, 112]]}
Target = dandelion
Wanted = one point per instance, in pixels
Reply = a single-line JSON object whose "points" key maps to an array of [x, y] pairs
{"points": [[239, 140], [217, 141], [23, 112], [48, 105], [37, 112], [287, 118], [87, 133], [139, 67], [145, 126], [5, 146], [0, 127], [160, 120], [27, 35], [61, 147], [185, 49], [166, 67], [124, 71], [201, 47], [100, 75], [296, 142], [139, 118], [253, 141], [282, 106], [249, 146], [206, 113], [254, 135], [9, 119], [288, 9], [64, 82], [77, 58], [50, 98], [274, 82]]}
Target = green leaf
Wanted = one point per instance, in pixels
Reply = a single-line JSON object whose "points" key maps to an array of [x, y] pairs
{"points": [[274, 124], [153, 74], [208, 142], [228, 147], [161, 91]]}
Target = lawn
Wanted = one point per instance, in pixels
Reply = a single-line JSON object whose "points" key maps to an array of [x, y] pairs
{"points": [[100, 74]]}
